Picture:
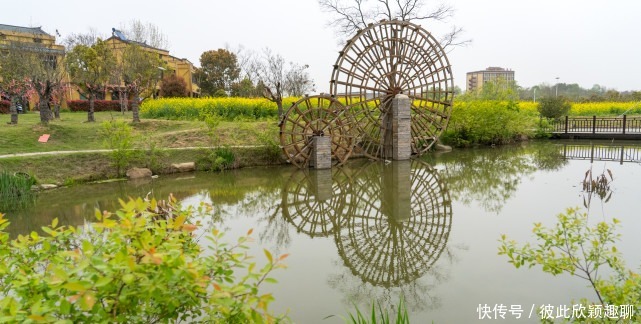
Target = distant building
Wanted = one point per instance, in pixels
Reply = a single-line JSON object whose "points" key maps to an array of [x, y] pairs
{"points": [[34, 40], [475, 80], [181, 67]]}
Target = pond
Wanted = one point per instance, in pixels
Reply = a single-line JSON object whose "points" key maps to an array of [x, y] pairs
{"points": [[426, 230]]}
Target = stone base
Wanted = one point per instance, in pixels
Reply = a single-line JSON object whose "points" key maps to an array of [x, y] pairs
{"points": [[397, 139], [321, 153]]}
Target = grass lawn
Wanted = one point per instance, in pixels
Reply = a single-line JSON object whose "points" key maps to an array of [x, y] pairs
{"points": [[72, 132]]}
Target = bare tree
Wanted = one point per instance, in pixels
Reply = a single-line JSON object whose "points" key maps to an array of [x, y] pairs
{"points": [[277, 78], [349, 16], [146, 33], [87, 39]]}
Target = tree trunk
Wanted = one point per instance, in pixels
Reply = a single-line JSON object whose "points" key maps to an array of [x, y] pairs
{"points": [[123, 102], [134, 108], [279, 104], [13, 109], [45, 112], [90, 117]]}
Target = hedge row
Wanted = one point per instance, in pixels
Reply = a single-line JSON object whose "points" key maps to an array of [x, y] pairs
{"points": [[99, 105], [4, 106]]}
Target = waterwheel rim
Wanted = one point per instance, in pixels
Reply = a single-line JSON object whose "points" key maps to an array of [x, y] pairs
{"points": [[390, 58]]}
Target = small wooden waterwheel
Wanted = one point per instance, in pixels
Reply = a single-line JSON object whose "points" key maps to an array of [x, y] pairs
{"points": [[319, 115], [315, 204], [390, 58]]}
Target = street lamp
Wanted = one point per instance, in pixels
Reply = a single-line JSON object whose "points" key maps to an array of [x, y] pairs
{"points": [[556, 87]]}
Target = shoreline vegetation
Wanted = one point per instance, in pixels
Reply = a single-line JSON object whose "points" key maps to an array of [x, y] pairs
{"points": [[228, 133]]}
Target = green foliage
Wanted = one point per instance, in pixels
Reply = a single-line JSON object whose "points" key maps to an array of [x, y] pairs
{"points": [[573, 246], [219, 69], [217, 159], [90, 67], [487, 122], [245, 89], [142, 264], [553, 107], [140, 69], [15, 190], [118, 137], [15, 185], [153, 153], [271, 144], [379, 315]]}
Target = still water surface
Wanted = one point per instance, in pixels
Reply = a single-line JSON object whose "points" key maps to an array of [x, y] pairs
{"points": [[426, 230]]}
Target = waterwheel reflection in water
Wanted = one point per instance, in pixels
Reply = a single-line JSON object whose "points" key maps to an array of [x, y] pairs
{"points": [[390, 222]]}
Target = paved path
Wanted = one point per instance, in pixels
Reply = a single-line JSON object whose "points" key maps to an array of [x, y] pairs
{"points": [[105, 150]]}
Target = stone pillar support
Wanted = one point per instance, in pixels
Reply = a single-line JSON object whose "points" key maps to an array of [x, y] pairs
{"points": [[321, 153], [401, 127]]}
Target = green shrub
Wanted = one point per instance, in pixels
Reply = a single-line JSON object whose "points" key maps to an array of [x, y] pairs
{"points": [[487, 122], [553, 107], [142, 264], [118, 137], [217, 159], [575, 247]]}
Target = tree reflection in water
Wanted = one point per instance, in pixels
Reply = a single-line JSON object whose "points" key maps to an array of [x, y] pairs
{"points": [[390, 224], [488, 176]]}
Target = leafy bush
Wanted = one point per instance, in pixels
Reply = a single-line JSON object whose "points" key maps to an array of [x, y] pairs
{"points": [[487, 122], [119, 138], [142, 264], [217, 159], [99, 105], [572, 246], [4, 106], [229, 109], [553, 107], [173, 86]]}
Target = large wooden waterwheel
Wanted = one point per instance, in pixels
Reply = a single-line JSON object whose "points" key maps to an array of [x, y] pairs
{"points": [[390, 58], [388, 249]]}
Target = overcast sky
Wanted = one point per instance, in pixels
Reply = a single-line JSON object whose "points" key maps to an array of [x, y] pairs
{"points": [[580, 41]]}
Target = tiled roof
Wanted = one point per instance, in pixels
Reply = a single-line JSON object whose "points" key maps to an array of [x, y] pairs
{"points": [[29, 30]]}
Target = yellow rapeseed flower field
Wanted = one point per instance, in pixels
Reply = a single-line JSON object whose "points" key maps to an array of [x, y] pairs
{"points": [[608, 108], [228, 108]]}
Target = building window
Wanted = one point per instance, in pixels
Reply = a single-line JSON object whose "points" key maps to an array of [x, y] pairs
{"points": [[37, 40]]}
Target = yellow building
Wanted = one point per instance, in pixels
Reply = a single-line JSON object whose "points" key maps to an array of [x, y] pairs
{"points": [[180, 67], [476, 79], [31, 39]]}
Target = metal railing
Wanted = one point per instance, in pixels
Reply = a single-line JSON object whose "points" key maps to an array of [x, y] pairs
{"points": [[597, 125]]}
